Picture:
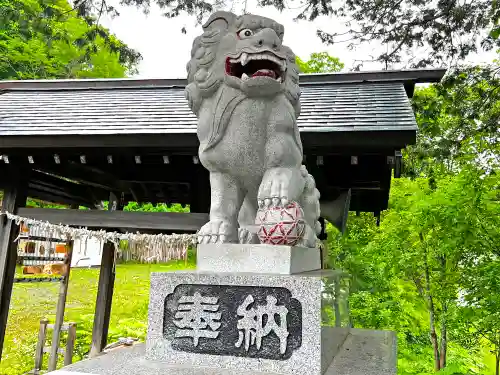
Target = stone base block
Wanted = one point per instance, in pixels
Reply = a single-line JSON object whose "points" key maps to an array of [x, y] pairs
{"points": [[271, 259], [363, 352], [267, 323]]}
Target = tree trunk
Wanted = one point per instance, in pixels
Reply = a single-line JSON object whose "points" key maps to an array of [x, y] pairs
{"points": [[444, 343], [433, 335], [497, 362], [432, 325], [444, 332]]}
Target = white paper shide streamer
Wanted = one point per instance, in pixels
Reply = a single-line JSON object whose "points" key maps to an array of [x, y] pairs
{"points": [[138, 246]]}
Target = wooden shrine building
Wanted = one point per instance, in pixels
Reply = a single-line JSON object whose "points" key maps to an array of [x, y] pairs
{"points": [[79, 142]]}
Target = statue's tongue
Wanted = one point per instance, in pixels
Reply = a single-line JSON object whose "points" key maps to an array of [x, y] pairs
{"points": [[265, 73]]}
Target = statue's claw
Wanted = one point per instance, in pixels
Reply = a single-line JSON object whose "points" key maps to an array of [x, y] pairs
{"points": [[280, 186], [245, 236], [216, 231]]}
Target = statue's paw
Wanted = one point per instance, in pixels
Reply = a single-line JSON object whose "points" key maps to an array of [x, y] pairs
{"points": [[310, 239], [247, 237], [280, 186], [216, 231]]}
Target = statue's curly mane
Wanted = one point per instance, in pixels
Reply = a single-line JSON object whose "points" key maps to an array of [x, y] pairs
{"points": [[203, 77], [258, 150]]}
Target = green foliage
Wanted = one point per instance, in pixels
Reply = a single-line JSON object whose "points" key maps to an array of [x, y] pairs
{"points": [[35, 203], [447, 229], [415, 33], [161, 207], [46, 39], [481, 309], [458, 143], [458, 123], [320, 62], [32, 302]]}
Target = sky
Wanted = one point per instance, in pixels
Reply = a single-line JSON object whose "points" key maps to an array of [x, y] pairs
{"points": [[166, 50]]}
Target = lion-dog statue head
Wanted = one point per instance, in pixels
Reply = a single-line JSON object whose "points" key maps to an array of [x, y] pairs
{"points": [[243, 52]]}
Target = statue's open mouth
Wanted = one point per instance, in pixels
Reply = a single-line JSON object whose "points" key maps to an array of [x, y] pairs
{"points": [[251, 65]]}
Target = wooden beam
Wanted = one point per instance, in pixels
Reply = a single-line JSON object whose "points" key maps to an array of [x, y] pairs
{"points": [[188, 142], [160, 221], [58, 199], [42, 337], [105, 289], [85, 174], [14, 197], [67, 191], [103, 300], [174, 140], [54, 189], [160, 173], [61, 307]]}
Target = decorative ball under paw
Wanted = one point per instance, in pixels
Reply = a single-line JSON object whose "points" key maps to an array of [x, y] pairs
{"points": [[281, 225]]}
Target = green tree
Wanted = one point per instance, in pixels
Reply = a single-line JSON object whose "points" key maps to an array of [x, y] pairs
{"points": [[46, 39], [416, 33], [320, 62], [458, 123], [422, 33], [481, 309], [434, 234], [378, 299], [434, 242], [149, 207]]}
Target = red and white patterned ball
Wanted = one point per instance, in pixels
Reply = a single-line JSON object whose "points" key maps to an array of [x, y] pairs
{"points": [[281, 225]]}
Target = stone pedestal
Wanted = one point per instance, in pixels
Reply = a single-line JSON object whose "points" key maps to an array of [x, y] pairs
{"points": [[277, 322], [268, 320], [267, 323]]}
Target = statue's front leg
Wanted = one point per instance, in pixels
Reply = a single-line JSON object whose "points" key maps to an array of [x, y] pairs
{"points": [[283, 185], [226, 199], [280, 185]]}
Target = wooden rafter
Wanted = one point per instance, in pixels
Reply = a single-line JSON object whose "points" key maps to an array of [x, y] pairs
{"points": [[159, 221]]}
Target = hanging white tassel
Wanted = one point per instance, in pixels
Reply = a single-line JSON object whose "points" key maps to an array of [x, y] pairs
{"points": [[140, 246]]}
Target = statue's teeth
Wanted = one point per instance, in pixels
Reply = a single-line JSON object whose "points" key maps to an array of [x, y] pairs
{"points": [[244, 77], [244, 58], [274, 59]]}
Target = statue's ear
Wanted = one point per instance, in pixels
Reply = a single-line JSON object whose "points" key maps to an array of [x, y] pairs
{"points": [[220, 20]]}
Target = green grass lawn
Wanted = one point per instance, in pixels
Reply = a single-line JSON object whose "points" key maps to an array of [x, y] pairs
{"points": [[32, 302]]}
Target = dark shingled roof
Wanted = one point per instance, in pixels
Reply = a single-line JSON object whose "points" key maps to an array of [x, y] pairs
{"points": [[346, 107], [373, 101]]}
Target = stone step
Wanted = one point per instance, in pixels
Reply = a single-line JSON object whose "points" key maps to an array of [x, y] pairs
{"points": [[363, 352]]}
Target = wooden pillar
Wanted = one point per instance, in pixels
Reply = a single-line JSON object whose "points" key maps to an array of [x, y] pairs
{"points": [[42, 337], [14, 196], [200, 190], [61, 307], [105, 290]]}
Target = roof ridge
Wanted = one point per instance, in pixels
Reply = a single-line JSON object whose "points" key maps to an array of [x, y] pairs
{"points": [[410, 76]]}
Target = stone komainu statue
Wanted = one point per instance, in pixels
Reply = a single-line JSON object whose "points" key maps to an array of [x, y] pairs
{"points": [[243, 85]]}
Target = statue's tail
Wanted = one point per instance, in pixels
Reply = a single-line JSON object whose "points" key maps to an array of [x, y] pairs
{"points": [[310, 205]]}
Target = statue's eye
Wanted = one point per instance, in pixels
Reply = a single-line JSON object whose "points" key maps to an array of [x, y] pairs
{"points": [[245, 33]]}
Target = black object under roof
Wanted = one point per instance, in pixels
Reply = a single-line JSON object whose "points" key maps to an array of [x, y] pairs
{"points": [[137, 137]]}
